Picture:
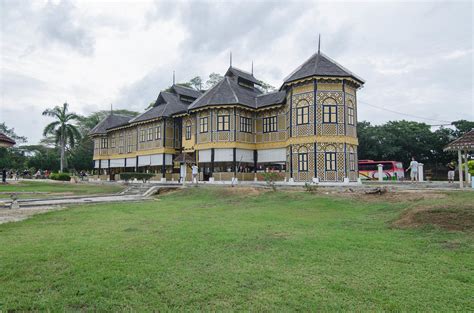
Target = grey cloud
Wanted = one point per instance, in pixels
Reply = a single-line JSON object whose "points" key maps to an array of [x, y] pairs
{"points": [[58, 24]]}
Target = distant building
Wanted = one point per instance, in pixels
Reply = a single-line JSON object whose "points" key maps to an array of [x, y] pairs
{"points": [[6, 141], [305, 130]]}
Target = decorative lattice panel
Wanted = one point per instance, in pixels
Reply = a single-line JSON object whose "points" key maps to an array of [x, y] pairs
{"points": [[340, 129], [329, 130], [223, 136]]}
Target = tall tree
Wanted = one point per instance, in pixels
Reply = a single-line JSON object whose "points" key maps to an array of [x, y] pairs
{"points": [[62, 128], [214, 78], [196, 83]]}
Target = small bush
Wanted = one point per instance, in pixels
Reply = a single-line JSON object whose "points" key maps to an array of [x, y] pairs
{"points": [[142, 176], [310, 188], [60, 176], [271, 178]]}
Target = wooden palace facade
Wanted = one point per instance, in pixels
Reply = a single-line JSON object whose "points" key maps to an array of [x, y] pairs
{"points": [[306, 131]]}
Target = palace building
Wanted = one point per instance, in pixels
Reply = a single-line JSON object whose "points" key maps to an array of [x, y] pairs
{"points": [[306, 130]]}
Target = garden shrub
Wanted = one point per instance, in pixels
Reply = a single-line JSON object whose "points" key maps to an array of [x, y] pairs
{"points": [[60, 176]]}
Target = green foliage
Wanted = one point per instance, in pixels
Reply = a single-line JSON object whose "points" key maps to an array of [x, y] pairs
{"points": [[10, 132], [132, 175], [60, 176], [310, 188], [266, 87], [196, 83], [212, 249], [213, 79], [400, 140], [271, 178]]}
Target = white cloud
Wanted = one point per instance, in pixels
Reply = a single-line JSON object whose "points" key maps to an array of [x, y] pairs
{"points": [[415, 58]]}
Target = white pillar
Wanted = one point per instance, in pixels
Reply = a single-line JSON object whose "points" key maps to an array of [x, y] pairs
{"points": [[420, 172], [380, 171], [466, 169], [460, 169]]}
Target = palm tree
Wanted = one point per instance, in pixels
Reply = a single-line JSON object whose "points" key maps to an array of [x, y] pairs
{"points": [[63, 131]]}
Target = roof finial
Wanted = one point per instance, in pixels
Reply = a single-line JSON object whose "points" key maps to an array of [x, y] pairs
{"points": [[174, 78], [252, 67], [111, 109], [319, 44], [230, 60]]}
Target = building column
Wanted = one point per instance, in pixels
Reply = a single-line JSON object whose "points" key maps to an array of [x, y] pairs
{"points": [[291, 161], [255, 160], [460, 169], [100, 163], [163, 166], [136, 164], [466, 169], [212, 162], [234, 161]]}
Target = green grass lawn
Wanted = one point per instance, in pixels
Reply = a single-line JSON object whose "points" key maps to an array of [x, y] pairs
{"points": [[215, 249], [41, 189]]}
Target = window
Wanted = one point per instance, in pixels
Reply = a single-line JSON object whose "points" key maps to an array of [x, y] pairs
{"points": [[150, 134], [203, 125], [302, 162], [112, 142], [188, 132], [142, 135], [223, 122], [330, 158], [245, 124], [103, 144], [329, 114], [352, 163], [121, 143], [302, 113], [270, 124], [158, 132], [130, 143], [350, 115]]}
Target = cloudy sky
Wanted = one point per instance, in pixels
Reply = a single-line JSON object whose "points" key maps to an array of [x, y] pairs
{"points": [[416, 57]]}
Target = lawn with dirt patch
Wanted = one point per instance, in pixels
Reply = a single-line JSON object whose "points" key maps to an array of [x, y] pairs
{"points": [[224, 249], [41, 189]]}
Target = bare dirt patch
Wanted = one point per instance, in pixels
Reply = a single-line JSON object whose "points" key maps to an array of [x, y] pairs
{"points": [[241, 191], [454, 217], [14, 215]]}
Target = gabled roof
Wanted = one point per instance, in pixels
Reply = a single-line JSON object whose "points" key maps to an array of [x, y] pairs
{"points": [[227, 91], [465, 142], [110, 121], [321, 65], [186, 91], [166, 105], [276, 97], [5, 139], [243, 74]]}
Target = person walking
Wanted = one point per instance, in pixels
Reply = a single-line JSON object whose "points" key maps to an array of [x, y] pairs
{"points": [[451, 171], [195, 171], [413, 167]]}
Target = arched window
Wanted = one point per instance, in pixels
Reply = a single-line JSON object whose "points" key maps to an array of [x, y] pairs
{"points": [[302, 112], [329, 111], [352, 159], [188, 130], [302, 160], [330, 158], [350, 113]]}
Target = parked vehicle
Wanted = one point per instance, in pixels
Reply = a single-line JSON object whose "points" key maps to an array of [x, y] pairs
{"points": [[392, 170]]}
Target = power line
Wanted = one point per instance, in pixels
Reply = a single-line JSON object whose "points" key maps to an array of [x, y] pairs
{"points": [[410, 115]]}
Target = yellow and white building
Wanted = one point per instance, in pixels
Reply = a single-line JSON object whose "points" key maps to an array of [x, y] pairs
{"points": [[306, 131]]}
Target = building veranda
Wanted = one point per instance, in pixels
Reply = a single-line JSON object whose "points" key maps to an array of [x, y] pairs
{"points": [[306, 131]]}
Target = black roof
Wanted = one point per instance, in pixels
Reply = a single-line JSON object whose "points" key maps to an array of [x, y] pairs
{"points": [[276, 97], [5, 138], [321, 65], [110, 121], [243, 74], [186, 91], [166, 105]]}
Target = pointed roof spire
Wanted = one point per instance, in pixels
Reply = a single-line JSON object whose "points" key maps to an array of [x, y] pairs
{"points": [[230, 60], [319, 44], [174, 78], [111, 109], [252, 67]]}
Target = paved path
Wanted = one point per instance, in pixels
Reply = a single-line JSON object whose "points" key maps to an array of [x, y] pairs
{"points": [[80, 200]]}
